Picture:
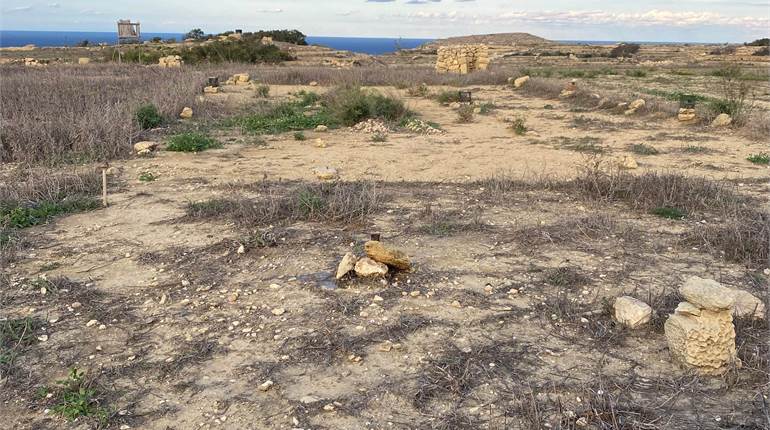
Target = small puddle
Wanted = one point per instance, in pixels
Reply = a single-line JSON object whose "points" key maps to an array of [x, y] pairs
{"points": [[323, 279]]}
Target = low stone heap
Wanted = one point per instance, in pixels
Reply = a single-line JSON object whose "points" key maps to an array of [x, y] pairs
{"points": [[378, 261], [700, 333], [170, 61], [462, 59], [33, 62], [238, 79]]}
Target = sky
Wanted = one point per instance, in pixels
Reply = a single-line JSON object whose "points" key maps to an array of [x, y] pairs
{"points": [[713, 21]]}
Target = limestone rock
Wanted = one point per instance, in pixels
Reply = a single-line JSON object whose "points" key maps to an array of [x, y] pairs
{"points": [[747, 305], [347, 264], [241, 78], [685, 308], [84, 60], [313, 84], [705, 342], [519, 82], [629, 163], [637, 104], [325, 173], [722, 120], [632, 312], [321, 128], [686, 114], [366, 267], [392, 257], [210, 90], [145, 147], [566, 93], [170, 61], [186, 113], [707, 294]]}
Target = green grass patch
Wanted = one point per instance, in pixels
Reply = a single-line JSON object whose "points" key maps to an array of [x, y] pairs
{"points": [[191, 142], [644, 149], [263, 91], [15, 335], [519, 126], [14, 215], [295, 115], [695, 149], [636, 73], [147, 177], [486, 108], [350, 105], [77, 398], [298, 135], [761, 158], [668, 212], [379, 137]]}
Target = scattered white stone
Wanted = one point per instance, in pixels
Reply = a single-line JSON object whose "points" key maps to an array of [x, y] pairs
{"points": [[266, 385], [278, 311], [91, 323]]}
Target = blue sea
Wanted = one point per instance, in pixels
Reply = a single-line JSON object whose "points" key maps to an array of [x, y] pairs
{"points": [[366, 45]]}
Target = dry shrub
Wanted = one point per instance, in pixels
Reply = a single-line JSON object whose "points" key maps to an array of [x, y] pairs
{"points": [[38, 184], [543, 88], [67, 112], [334, 202]]}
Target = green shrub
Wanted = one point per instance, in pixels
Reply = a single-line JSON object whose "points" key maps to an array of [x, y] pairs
{"points": [[421, 90], [78, 399], [263, 91], [191, 142], [148, 116], [761, 158], [519, 126], [624, 50], [446, 97], [286, 116], [351, 105], [379, 137], [643, 149], [299, 136], [486, 107], [636, 73], [20, 216], [668, 212], [147, 177]]}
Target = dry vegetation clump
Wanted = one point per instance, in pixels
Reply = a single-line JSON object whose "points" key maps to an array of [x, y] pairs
{"points": [[68, 113], [331, 202]]}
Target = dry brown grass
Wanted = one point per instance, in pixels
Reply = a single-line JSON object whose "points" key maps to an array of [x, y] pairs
{"points": [[67, 113]]}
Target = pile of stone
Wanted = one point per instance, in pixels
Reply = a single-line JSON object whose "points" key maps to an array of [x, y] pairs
{"points": [[635, 106], [33, 62], [371, 126], [238, 79], [462, 59], [145, 147], [700, 332], [170, 61], [686, 114], [379, 260], [569, 90]]}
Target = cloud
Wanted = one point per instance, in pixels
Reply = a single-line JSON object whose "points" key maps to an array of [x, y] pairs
{"points": [[276, 10], [642, 19], [422, 1], [19, 9], [380, 1], [346, 13]]}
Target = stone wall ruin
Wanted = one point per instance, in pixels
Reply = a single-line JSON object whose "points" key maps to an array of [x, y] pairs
{"points": [[462, 59]]}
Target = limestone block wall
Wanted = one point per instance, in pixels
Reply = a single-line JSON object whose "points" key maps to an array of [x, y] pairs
{"points": [[462, 59]]}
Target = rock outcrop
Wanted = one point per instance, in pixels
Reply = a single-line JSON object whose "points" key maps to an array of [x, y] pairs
{"points": [[170, 61], [686, 114], [722, 120]]}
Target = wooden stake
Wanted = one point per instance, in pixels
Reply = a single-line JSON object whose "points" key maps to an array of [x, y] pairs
{"points": [[105, 166]]}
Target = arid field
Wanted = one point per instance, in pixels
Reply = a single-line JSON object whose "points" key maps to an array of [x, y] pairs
{"points": [[204, 295]]}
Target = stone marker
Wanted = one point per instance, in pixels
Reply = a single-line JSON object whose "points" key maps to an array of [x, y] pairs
{"points": [[186, 113], [700, 333], [519, 82], [686, 114]]}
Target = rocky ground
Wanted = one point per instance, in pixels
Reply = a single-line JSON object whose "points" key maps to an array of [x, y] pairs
{"points": [[206, 318]]}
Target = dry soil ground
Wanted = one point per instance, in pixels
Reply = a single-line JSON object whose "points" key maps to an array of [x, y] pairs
{"points": [[502, 323]]}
